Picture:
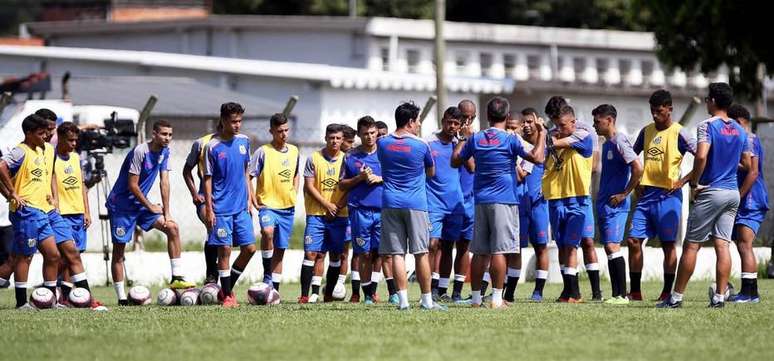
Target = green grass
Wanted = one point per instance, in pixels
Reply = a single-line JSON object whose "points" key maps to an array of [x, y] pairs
{"points": [[335, 331]]}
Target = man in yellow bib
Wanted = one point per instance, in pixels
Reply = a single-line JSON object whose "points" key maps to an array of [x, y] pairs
{"points": [[196, 159], [275, 168], [23, 173]]}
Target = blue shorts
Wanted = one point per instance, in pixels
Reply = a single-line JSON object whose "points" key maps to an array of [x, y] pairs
{"points": [[466, 231], [749, 218], [366, 224], [348, 233], [324, 236], [658, 217], [612, 222], [569, 219], [447, 227], [30, 227], [589, 227], [282, 222], [232, 230], [78, 229], [122, 224], [533, 223], [62, 230]]}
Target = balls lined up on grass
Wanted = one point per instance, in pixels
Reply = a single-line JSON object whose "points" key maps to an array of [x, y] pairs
{"points": [[139, 296], [190, 297], [262, 294], [166, 297], [80, 298], [42, 297], [210, 294]]}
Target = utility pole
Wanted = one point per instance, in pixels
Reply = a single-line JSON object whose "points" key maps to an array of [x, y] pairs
{"points": [[440, 59]]}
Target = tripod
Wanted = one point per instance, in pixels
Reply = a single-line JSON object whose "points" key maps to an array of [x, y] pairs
{"points": [[103, 190]]}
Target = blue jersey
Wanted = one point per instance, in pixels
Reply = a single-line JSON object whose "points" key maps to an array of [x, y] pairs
{"points": [[758, 196], [444, 194], [495, 152], [404, 159], [727, 140], [466, 183], [226, 162], [363, 195], [142, 162], [617, 155]]}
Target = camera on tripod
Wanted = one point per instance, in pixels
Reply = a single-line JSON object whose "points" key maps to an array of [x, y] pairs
{"points": [[116, 133]]}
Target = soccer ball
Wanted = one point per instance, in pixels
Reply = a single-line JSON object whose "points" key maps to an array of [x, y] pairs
{"points": [[42, 297], [727, 296], [190, 297], [80, 298], [209, 294], [262, 294], [339, 292], [166, 297], [139, 295]]}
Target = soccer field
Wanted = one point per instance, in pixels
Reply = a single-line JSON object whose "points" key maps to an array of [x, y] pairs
{"points": [[546, 331]]}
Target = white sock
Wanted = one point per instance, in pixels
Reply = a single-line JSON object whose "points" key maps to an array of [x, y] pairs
{"points": [[475, 297], [614, 255], [541, 274], [436, 275], [276, 277], [376, 277], [177, 266], [459, 278], [120, 291], [355, 276], [76, 278], [571, 271], [487, 277], [497, 296], [267, 254], [514, 272], [334, 264], [592, 267], [403, 296], [427, 300], [677, 297], [562, 268], [745, 275], [365, 284], [316, 280], [341, 280], [443, 282], [718, 298]]}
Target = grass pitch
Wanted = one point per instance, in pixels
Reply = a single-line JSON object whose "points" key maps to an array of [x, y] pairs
{"points": [[336, 331]]}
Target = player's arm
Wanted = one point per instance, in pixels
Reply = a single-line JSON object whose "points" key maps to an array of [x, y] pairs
{"points": [[429, 162], [537, 155], [9, 191], [255, 168], [164, 188], [54, 201], [134, 188], [752, 173], [190, 162], [702, 148], [349, 181], [689, 144], [463, 152], [209, 209], [568, 141], [86, 211], [250, 196], [297, 178], [634, 182]]}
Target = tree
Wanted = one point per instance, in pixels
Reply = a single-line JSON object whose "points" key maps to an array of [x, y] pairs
{"points": [[706, 34]]}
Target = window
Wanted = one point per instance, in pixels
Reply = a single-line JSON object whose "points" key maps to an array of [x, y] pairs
{"points": [[602, 65], [461, 61], [412, 59], [384, 53], [533, 64], [578, 65], [509, 64], [647, 68], [485, 60]]}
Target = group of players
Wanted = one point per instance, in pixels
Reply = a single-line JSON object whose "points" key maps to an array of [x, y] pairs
{"points": [[489, 193]]}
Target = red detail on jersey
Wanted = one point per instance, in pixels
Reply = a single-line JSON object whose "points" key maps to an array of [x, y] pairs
{"points": [[222, 155], [729, 130], [399, 148]]}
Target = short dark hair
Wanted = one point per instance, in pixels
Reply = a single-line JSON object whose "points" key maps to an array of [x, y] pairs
{"points": [[161, 123], [736, 111], [34, 122], [721, 94], [660, 97], [334, 128], [67, 127], [226, 109], [566, 110], [46, 114], [554, 105], [453, 113], [277, 119], [404, 113], [381, 125], [605, 110], [367, 122], [349, 132], [497, 109], [529, 111]]}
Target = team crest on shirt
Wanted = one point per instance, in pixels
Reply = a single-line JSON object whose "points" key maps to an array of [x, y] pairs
{"points": [[242, 149], [331, 171], [120, 231], [222, 233], [609, 155], [285, 163], [308, 240], [31, 242], [657, 140], [37, 161], [265, 219], [68, 169], [360, 241]]}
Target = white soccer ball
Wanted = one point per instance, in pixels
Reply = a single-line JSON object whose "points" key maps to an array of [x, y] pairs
{"points": [[274, 297], [209, 294], [80, 298], [730, 292], [139, 295], [42, 297], [190, 297], [339, 292], [166, 297], [259, 294]]}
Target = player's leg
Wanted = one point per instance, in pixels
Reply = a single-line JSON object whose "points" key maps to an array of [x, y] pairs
{"points": [[354, 280], [281, 240], [513, 274], [669, 210], [541, 272], [314, 231], [612, 223], [243, 237], [641, 229], [576, 217], [445, 268], [147, 220], [51, 260], [418, 236], [20, 274], [6, 256], [121, 228], [436, 224], [590, 251], [25, 229], [224, 274], [744, 237], [335, 236], [210, 251], [461, 267], [366, 268], [267, 220]]}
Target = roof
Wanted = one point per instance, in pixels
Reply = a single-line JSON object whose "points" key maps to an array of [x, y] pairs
{"points": [[382, 27], [177, 97], [335, 76]]}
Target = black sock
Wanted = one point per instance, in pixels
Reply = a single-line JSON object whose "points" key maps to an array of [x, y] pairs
{"points": [[594, 280], [391, 289], [65, 291], [745, 287], [565, 286], [575, 286], [669, 280], [266, 268], [442, 290], [275, 285], [753, 287], [434, 286], [21, 296], [211, 261], [635, 280], [83, 284], [620, 264], [367, 290], [330, 279], [539, 284], [51, 288], [510, 288], [484, 285], [374, 287], [316, 290], [306, 279], [225, 285], [457, 290], [355, 287], [611, 267], [235, 273]]}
